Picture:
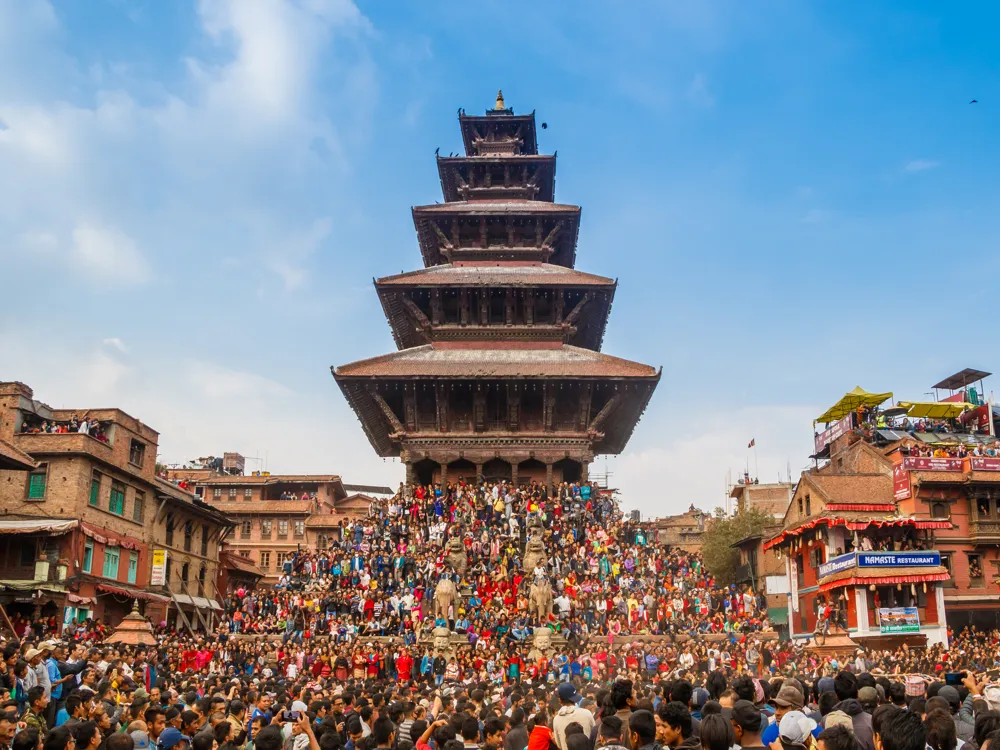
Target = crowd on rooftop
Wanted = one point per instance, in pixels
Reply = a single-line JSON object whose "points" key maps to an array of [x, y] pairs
{"points": [[82, 425]]}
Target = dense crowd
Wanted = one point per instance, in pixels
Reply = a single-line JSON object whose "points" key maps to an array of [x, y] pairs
{"points": [[344, 652]]}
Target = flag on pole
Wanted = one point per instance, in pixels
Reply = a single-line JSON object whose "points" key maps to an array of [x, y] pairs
{"points": [[753, 442]]}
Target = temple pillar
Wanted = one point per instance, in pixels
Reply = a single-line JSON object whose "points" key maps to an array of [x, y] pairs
{"points": [[479, 472], [513, 470], [444, 474], [409, 473], [585, 471], [548, 477]]}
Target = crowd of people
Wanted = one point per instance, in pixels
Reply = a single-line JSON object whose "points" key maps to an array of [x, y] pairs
{"points": [[83, 425], [609, 577], [345, 652]]}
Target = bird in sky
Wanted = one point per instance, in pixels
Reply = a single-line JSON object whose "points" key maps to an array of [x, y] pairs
{"points": [[974, 101]]}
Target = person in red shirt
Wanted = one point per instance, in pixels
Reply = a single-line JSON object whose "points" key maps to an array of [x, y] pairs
{"points": [[404, 665]]}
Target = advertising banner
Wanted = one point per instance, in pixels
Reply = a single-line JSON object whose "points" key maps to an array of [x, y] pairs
{"points": [[899, 620], [985, 463], [926, 463], [158, 575], [900, 482]]}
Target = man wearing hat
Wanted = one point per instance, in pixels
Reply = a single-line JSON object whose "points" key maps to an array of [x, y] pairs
{"points": [[789, 698], [570, 712], [796, 730], [172, 739], [747, 721]]}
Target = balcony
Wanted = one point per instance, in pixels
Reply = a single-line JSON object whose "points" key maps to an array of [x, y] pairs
{"points": [[62, 442], [985, 531]]}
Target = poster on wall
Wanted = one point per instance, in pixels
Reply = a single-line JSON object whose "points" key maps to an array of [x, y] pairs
{"points": [[900, 482], [158, 575], [899, 620]]}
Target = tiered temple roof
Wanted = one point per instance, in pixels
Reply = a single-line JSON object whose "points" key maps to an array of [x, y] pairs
{"points": [[499, 335]]}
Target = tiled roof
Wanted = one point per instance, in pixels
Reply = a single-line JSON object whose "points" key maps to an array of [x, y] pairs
{"points": [[14, 458], [232, 560], [427, 361], [497, 207], [497, 275], [273, 506]]}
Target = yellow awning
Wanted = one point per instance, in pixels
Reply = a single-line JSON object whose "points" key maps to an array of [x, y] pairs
{"points": [[935, 409], [851, 401]]}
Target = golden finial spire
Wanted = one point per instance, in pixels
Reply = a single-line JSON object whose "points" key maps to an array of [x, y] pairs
{"points": [[500, 104]]}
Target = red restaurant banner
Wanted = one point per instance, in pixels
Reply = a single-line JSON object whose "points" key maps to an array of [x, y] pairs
{"points": [[837, 429], [984, 463], [926, 463], [900, 482]]}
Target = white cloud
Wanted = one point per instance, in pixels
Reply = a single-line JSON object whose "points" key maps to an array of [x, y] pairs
{"points": [[699, 93], [116, 343], [920, 165], [691, 466], [109, 254], [218, 382]]}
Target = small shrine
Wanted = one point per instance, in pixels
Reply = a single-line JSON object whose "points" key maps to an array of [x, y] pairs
{"points": [[133, 630]]}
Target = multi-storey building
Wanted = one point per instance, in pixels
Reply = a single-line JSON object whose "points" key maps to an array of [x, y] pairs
{"points": [[87, 513], [499, 372], [897, 524], [274, 514], [770, 498], [684, 531]]}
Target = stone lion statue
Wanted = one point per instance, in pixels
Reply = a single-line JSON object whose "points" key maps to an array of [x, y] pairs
{"points": [[442, 640], [540, 600], [444, 597], [534, 553], [455, 554]]}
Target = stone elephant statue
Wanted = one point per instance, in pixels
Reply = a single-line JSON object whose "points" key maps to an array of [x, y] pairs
{"points": [[540, 599], [444, 597]]}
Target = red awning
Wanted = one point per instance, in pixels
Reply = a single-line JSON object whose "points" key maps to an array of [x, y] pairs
{"points": [[103, 536], [853, 525], [132, 593], [884, 580]]}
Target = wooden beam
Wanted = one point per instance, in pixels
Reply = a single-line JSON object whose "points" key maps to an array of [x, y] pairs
{"points": [[416, 313], [445, 242], [397, 426], [577, 309], [610, 406]]}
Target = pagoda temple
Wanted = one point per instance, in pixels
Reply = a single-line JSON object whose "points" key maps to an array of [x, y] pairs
{"points": [[499, 373]]}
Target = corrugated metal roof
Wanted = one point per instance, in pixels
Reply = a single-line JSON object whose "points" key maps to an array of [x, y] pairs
{"points": [[428, 361]]}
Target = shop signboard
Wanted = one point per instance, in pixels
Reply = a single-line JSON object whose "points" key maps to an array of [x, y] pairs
{"points": [[985, 463], [838, 429], [158, 575], [837, 564], [927, 463], [901, 559], [899, 620]]}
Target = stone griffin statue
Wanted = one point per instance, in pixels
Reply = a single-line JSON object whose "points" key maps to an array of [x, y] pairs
{"points": [[455, 554], [540, 600], [445, 595], [534, 553], [541, 644]]}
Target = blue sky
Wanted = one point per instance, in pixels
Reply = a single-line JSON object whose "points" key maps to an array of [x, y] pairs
{"points": [[194, 197]]}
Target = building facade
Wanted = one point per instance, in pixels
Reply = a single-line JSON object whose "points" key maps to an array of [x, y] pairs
{"points": [[499, 373], [81, 524], [684, 531], [274, 515], [897, 525]]}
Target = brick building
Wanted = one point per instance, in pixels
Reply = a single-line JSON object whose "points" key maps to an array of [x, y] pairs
{"points": [[79, 526], [898, 518], [771, 498], [684, 531], [276, 514]]}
